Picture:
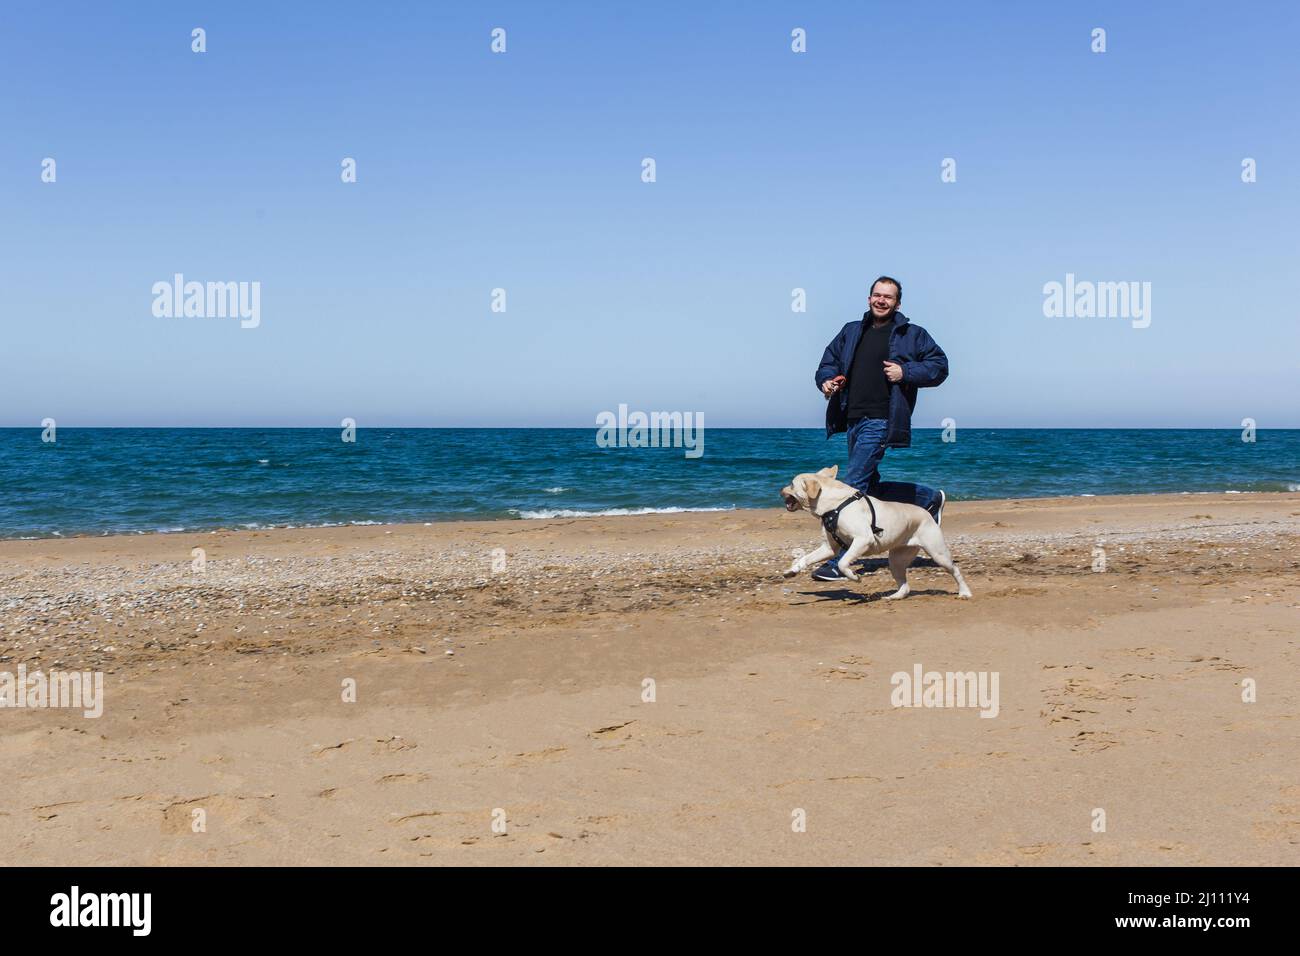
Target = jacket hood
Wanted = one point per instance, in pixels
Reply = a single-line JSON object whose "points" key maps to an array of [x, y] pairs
{"points": [[899, 318]]}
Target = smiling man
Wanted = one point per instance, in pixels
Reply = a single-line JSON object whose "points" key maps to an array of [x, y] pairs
{"points": [[869, 375]]}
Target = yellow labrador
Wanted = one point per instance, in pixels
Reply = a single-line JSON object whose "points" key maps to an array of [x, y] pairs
{"points": [[847, 521]]}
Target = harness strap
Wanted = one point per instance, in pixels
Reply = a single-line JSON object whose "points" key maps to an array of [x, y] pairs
{"points": [[831, 519]]}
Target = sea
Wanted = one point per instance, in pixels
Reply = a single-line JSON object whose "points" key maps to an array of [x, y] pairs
{"points": [[98, 481]]}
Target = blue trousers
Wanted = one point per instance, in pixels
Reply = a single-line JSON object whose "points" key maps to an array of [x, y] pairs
{"points": [[866, 449]]}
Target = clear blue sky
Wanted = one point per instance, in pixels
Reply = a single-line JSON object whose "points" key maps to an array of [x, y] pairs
{"points": [[522, 171]]}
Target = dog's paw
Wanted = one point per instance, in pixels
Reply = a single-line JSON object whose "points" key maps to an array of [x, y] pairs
{"points": [[851, 574], [789, 573], [965, 595]]}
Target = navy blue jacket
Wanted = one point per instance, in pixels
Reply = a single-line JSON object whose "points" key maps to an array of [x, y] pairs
{"points": [[923, 363]]}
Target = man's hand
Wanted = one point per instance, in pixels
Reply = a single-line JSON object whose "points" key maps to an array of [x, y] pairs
{"points": [[832, 385], [893, 372]]}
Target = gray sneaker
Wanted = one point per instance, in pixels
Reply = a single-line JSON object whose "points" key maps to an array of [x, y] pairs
{"points": [[830, 571]]}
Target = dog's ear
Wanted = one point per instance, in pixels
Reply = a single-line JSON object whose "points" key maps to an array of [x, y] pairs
{"points": [[830, 472], [812, 488]]}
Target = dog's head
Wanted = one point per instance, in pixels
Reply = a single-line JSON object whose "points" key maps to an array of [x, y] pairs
{"points": [[803, 490]]}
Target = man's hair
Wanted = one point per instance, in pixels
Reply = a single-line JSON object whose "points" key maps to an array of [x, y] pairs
{"points": [[892, 281]]}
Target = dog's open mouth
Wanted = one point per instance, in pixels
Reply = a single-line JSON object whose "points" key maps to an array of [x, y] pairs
{"points": [[791, 502]]}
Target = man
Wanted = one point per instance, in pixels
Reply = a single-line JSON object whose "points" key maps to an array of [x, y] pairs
{"points": [[870, 374]]}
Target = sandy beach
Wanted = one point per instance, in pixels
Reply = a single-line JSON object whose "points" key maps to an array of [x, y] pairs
{"points": [[511, 686]]}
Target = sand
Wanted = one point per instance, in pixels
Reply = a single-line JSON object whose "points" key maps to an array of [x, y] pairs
{"points": [[515, 700]]}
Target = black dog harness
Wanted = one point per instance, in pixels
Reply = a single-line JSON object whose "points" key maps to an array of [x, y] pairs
{"points": [[831, 519]]}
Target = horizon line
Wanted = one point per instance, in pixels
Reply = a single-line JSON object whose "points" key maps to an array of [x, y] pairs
{"points": [[816, 428]]}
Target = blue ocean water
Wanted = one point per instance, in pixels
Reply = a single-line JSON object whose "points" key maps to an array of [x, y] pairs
{"points": [[108, 480]]}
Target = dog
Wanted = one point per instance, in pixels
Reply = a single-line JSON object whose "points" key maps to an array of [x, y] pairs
{"points": [[901, 529]]}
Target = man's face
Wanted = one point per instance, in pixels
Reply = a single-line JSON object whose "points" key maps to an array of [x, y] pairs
{"points": [[884, 299]]}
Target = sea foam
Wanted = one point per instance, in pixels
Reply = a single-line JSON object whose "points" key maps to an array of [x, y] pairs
{"points": [[571, 513]]}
